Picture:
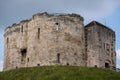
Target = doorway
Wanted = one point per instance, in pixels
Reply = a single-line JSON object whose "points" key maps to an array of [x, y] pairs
{"points": [[107, 65]]}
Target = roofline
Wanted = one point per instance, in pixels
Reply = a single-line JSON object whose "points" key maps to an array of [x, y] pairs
{"points": [[97, 23]]}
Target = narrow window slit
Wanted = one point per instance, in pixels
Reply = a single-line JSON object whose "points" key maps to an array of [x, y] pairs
{"points": [[58, 58], [7, 42], [27, 59], [38, 33], [22, 29]]}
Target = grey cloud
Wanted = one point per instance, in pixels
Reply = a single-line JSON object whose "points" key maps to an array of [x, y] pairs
{"points": [[16, 10]]}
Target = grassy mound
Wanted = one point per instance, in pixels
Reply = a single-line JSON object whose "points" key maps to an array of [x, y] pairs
{"points": [[60, 73]]}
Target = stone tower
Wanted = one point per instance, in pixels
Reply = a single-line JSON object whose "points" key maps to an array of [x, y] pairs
{"points": [[100, 46], [45, 39], [58, 39]]}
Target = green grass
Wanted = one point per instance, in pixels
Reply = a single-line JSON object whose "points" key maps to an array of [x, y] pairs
{"points": [[59, 73]]}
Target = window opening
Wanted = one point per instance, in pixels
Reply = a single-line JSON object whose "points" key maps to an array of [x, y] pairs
{"points": [[57, 26], [107, 65], [16, 67], [7, 42], [58, 58], [67, 64], [95, 66], [23, 55], [27, 59], [22, 29], [38, 64], [38, 33]]}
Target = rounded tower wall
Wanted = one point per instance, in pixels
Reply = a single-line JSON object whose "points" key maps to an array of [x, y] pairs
{"points": [[45, 45], [45, 40], [14, 40]]}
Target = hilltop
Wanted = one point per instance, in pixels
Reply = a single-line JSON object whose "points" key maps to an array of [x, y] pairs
{"points": [[59, 73]]}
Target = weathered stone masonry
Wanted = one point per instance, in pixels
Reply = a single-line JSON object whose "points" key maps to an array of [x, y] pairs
{"points": [[48, 39], [100, 46]]}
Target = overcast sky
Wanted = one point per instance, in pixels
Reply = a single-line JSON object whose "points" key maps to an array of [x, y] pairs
{"points": [[106, 12]]}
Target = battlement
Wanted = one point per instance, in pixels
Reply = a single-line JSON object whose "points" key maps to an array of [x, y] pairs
{"points": [[64, 17], [57, 14]]}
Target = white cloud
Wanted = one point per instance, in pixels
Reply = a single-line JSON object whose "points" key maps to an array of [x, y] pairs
{"points": [[118, 58], [118, 54], [89, 9], [1, 65], [98, 8], [118, 65]]}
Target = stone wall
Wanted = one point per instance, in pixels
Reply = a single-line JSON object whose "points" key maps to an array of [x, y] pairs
{"points": [[58, 39], [100, 46], [46, 39]]}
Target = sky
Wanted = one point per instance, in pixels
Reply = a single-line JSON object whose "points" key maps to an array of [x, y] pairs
{"points": [[106, 12]]}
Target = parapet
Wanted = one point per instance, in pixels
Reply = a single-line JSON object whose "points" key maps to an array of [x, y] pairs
{"points": [[45, 14], [61, 16]]}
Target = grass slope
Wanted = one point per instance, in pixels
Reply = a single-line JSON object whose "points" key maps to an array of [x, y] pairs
{"points": [[59, 73]]}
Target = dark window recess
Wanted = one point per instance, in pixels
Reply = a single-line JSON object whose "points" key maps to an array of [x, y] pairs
{"points": [[95, 66], [23, 55], [107, 65], [67, 64], [85, 45], [107, 49], [16, 67], [7, 40], [85, 49], [23, 51], [38, 64], [75, 53], [38, 33], [22, 29], [58, 58], [27, 59], [57, 26]]}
